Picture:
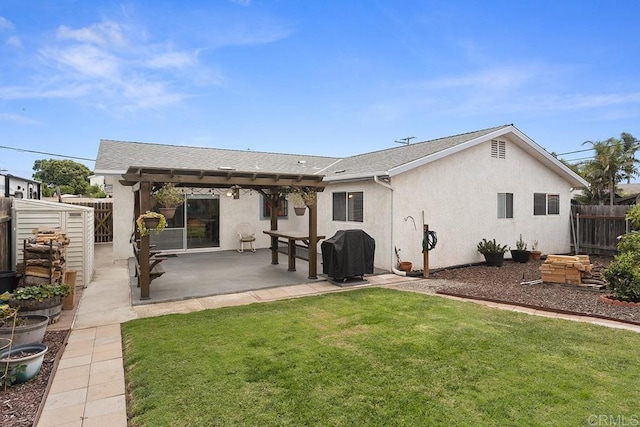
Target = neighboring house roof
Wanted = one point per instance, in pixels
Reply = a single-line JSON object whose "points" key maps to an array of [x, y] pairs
{"points": [[117, 156]]}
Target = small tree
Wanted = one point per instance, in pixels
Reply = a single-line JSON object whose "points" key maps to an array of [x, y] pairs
{"points": [[62, 173]]}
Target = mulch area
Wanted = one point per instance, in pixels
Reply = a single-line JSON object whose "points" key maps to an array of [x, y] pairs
{"points": [[19, 404], [504, 284]]}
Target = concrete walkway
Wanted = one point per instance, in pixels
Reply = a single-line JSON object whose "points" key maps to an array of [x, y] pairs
{"points": [[88, 388]]}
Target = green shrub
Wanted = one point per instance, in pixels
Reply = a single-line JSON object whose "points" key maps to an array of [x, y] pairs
{"points": [[623, 277], [491, 247], [630, 242], [633, 215], [40, 293]]}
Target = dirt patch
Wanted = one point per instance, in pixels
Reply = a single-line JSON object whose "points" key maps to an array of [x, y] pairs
{"points": [[503, 284], [19, 404]]}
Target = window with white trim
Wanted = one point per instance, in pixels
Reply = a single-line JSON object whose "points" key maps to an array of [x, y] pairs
{"points": [[348, 206], [498, 149], [505, 205], [546, 204]]}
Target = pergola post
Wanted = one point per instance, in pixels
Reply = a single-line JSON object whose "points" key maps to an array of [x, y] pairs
{"points": [[313, 239], [145, 273], [272, 199]]}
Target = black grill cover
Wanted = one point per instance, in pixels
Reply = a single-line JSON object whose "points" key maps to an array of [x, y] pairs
{"points": [[348, 253]]}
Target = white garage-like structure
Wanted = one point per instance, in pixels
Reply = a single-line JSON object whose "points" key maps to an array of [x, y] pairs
{"points": [[76, 221]]}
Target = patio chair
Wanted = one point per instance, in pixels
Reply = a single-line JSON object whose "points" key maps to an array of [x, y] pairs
{"points": [[246, 234]]}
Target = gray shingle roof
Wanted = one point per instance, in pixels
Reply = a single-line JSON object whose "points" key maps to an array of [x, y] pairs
{"points": [[117, 156], [380, 162]]}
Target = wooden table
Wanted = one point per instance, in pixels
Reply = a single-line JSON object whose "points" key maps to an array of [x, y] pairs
{"points": [[291, 237]]}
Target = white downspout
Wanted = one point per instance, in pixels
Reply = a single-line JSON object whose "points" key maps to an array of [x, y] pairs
{"points": [[389, 187]]}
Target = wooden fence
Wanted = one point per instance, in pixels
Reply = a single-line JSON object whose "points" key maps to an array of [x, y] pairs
{"points": [[103, 218], [595, 229], [5, 233]]}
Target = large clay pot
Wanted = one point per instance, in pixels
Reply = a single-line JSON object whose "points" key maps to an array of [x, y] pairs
{"points": [[31, 362], [30, 330]]}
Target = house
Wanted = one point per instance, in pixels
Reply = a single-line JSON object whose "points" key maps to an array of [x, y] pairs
{"points": [[492, 183], [20, 188]]}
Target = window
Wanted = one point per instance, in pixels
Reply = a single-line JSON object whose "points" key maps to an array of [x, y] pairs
{"points": [[505, 205], [283, 208], [498, 149], [348, 206], [546, 204], [553, 204]]}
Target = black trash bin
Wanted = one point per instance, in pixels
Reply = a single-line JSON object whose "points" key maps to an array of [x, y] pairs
{"points": [[348, 254], [8, 281]]}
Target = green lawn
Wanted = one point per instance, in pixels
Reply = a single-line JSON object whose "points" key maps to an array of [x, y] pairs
{"points": [[376, 357]]}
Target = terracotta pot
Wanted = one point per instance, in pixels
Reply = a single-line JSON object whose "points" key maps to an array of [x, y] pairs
{"points": [[151, 223], [168, 213], [535, 255], [406, 266]]}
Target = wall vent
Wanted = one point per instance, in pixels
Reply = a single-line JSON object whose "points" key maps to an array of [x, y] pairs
{"points": [[498, 149]]}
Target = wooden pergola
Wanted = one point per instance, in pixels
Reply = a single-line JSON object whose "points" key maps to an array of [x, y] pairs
{"points": [[271, 185]]}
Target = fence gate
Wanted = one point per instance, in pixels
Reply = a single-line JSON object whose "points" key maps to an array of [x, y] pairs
{"points": [[595, 229], [103, 218], [5, 233]]}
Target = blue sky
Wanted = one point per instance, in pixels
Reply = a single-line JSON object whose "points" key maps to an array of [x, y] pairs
{"points": [[331, 78]]}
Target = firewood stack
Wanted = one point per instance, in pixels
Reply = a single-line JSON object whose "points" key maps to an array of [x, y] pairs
{"points": [[572, 270], [44, 257]]}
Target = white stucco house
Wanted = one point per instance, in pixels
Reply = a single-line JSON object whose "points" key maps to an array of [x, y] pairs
{"points": [[492, 183]]}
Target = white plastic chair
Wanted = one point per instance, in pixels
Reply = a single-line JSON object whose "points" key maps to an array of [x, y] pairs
{"points": [[246, 234]]}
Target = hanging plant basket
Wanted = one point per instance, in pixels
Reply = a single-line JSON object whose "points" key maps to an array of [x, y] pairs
{"points": [[300, 211], [168, 213], [151, 221]]}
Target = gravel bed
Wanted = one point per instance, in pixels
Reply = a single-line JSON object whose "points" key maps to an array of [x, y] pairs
{"points": [[503, 284], [19, 403]]}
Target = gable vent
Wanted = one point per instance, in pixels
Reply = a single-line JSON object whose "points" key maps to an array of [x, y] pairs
{"points": [[498, 149]]}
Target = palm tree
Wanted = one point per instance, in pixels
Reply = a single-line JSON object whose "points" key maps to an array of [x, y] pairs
{"points": [[607, 167], [630, 146]]}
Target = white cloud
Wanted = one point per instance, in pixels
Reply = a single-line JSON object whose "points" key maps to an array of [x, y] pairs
{"points": [[14, 41], [173, 60], [102, 34], [85, 60], [16, 118], [5, 24]]}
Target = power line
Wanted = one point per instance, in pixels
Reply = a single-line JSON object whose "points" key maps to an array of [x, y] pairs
{"points": [[48, 154]]}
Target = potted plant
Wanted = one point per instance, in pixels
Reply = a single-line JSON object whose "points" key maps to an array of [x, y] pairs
{"points": [[301, 198], [520, 254], [45, 300], [18, 329], [535, 253], [493, 252], [151, 221], [169, 198], [21, 363]]}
